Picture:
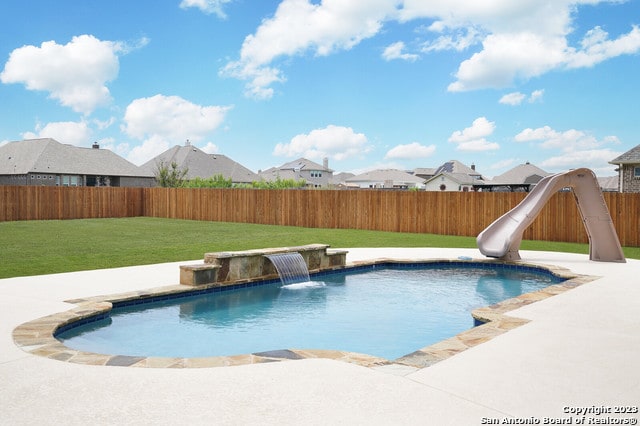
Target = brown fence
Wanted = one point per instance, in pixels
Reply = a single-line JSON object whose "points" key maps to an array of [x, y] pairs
{"points": [[445, 213], [54, 202]]}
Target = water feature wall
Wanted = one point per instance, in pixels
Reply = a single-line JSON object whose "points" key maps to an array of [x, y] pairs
{"points": [[291, 267], [253, 265]]}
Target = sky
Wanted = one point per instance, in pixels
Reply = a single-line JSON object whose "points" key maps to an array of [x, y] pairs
{"points": [[368, 84]]}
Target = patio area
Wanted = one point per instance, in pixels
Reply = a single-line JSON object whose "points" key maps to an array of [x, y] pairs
{"points": [[576, 359]]}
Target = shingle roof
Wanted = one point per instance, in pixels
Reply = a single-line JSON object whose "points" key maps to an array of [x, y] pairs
{"points": [[424, 171], [630, 157], [454, 166], [50, 156], [302, 164], [608, 183], [522, 174], [200, 164], [460, 178], [384, 175]]}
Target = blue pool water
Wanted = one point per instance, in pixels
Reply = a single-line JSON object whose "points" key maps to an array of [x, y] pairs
{"points": [[387, 312]]}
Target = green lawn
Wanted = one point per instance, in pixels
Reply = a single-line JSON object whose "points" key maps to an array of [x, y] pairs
{"points": [[45, 247]]}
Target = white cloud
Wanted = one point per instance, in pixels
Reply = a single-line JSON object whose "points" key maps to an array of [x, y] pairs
{"points": [[336, 142], [207, 6], [569, 140], [75, 74], [474, 138], [517, 40], [595, 159], [480, 127], [394, 51], [507, 58], [536, 96], [514, 98], [164, 121], [68, 132], [460, 40], [210, 148], [596, 47], [410, 151], [576, 148], [299, 26]]}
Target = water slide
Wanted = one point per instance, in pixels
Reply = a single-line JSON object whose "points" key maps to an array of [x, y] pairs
{"points": [[502, 238]]}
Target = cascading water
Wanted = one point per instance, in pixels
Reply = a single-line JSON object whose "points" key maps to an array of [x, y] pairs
{"points": [[291, 267]]}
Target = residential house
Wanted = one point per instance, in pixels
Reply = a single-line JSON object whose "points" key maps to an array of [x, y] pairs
{"points": [[316, 175], [425, 173], [522, 177], [47, 162], [455, 166], [200, 164], [446, 181], [608, 183], [450, 176], [385, 179], [628, 170], [339, 180]]}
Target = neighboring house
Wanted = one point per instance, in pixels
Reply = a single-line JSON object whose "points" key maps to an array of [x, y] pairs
{"points": [[445, 181], [454, 166], [520, 178], [47, 162], [608, 183], [200, 164], [424, 172], [316, 175], [628, 170], [450, 176], [339, 180], [385, 179]]}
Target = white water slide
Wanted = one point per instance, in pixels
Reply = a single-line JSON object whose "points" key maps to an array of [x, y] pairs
{"points": [[502, 238]]}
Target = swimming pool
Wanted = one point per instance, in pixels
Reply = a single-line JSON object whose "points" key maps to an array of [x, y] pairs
{"points": [[382, 310]]}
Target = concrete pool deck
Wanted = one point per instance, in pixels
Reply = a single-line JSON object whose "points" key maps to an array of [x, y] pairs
{"points": [[581, 349]]}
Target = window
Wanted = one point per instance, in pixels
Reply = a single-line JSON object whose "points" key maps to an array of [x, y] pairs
{"points": [[636, 172], [315, 173]]}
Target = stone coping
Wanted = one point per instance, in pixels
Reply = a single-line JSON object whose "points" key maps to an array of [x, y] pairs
{"points": [[37, 337]]}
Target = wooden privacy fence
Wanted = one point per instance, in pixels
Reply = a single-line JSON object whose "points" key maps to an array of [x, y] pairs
{"points": [[444, 213], [55, 202]]}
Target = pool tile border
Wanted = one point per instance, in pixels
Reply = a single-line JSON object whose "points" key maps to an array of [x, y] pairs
{"points": [[37, 337]]}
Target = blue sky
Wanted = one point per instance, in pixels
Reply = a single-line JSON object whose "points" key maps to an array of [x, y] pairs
{"points": [[367, 83]]}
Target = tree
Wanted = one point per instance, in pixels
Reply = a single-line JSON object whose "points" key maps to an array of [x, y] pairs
{"points": [[215, 181], [171, 176]]}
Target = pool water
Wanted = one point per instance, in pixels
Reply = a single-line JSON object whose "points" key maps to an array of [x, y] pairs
{"points": [[385, 312]]}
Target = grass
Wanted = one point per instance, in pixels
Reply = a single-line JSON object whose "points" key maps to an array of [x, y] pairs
{"points": [[46, 247]]}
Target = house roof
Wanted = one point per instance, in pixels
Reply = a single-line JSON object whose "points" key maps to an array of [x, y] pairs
{"points": [[459, 178], [608, 183], [341, 177], [394, 175], [630, 157], [454, 166], [424, 171], [302, 164], [522, 174], [274, 173], [200, 164], [50, 156]]}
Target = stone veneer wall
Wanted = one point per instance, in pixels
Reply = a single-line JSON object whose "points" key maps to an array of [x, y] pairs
{"points": [[629, 182], [252, 265]]}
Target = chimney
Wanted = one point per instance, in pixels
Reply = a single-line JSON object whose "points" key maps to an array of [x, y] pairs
{"points": [[325, 163], [95, 145], [473, 167], [187, 143]]}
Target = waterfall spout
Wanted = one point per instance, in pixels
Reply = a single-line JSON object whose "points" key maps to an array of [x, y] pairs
{"points": [[291, 267]]}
